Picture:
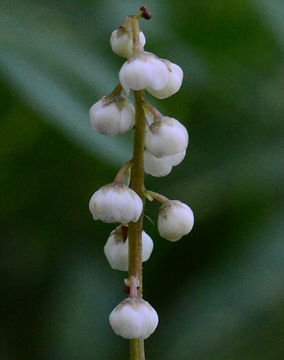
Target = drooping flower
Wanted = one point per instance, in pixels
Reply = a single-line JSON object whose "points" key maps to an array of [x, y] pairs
{"points": [[175, 220], [166, 136], [156, 166], [176, 159], [134, 318], [161, 166], [116, 203], [174, 81], [111, 116], [143, 70], [116, 248], [121, 42]]}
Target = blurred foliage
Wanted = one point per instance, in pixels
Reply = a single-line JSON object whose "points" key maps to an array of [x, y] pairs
{"points": [[219, 292]]}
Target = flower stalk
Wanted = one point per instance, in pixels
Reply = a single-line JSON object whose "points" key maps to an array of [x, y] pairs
{"points": [[156, 113], [116, 91], [137, 184], [119, 177], [137, 349], [135, 229], [156, 196]]}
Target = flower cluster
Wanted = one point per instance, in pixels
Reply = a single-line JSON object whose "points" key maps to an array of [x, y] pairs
{"points": [[165, 144]]}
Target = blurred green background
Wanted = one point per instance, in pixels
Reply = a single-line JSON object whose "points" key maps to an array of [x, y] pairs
{"points": [[219, 291]]}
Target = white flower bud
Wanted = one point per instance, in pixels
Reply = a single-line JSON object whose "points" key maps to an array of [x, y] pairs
{"points": [[174, 82], [111, 117], [121, 42], [166, 136], [156, 166], [116, 249], [134, 318], [116, 203], [175, 159], [161, 166], [143, 70], [175, 220]]}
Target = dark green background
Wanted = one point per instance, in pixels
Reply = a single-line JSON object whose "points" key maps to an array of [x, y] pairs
{"points": [[219, 291]]}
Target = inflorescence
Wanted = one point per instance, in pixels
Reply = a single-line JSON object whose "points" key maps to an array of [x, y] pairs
{"points": [[166, 141]]}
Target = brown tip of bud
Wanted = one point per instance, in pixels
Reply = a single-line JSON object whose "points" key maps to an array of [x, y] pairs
{"points": [[146, 13]]}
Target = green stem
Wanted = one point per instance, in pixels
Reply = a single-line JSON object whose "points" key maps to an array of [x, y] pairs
{"points": [[135, 229], [116, 91], [156, 113], [137, 184], [137, 349], [135, 33], [161, 198], [119, 177]]}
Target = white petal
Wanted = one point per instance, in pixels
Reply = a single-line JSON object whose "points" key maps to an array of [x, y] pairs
{"points": [[112, 117], [175, 77], [136, 75], [175, 159], [175, 220], [134, 318], [142, 70], [116, 203], [116, 249], [160, 75], [156, 166], [127, 118], [121, 42], [166, 136]]}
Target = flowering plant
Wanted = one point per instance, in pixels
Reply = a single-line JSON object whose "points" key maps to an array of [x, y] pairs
{"points": [[160, 143]]}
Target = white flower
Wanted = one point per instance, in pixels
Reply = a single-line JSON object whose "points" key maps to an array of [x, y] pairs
{"points": [[121, 42], [110, 117], [161, 166], [175, 220], [116, 248], [134, 318], [166, 136], [156, 166], [174, 82], [116, 203], [176, 159], [143, 70]]}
